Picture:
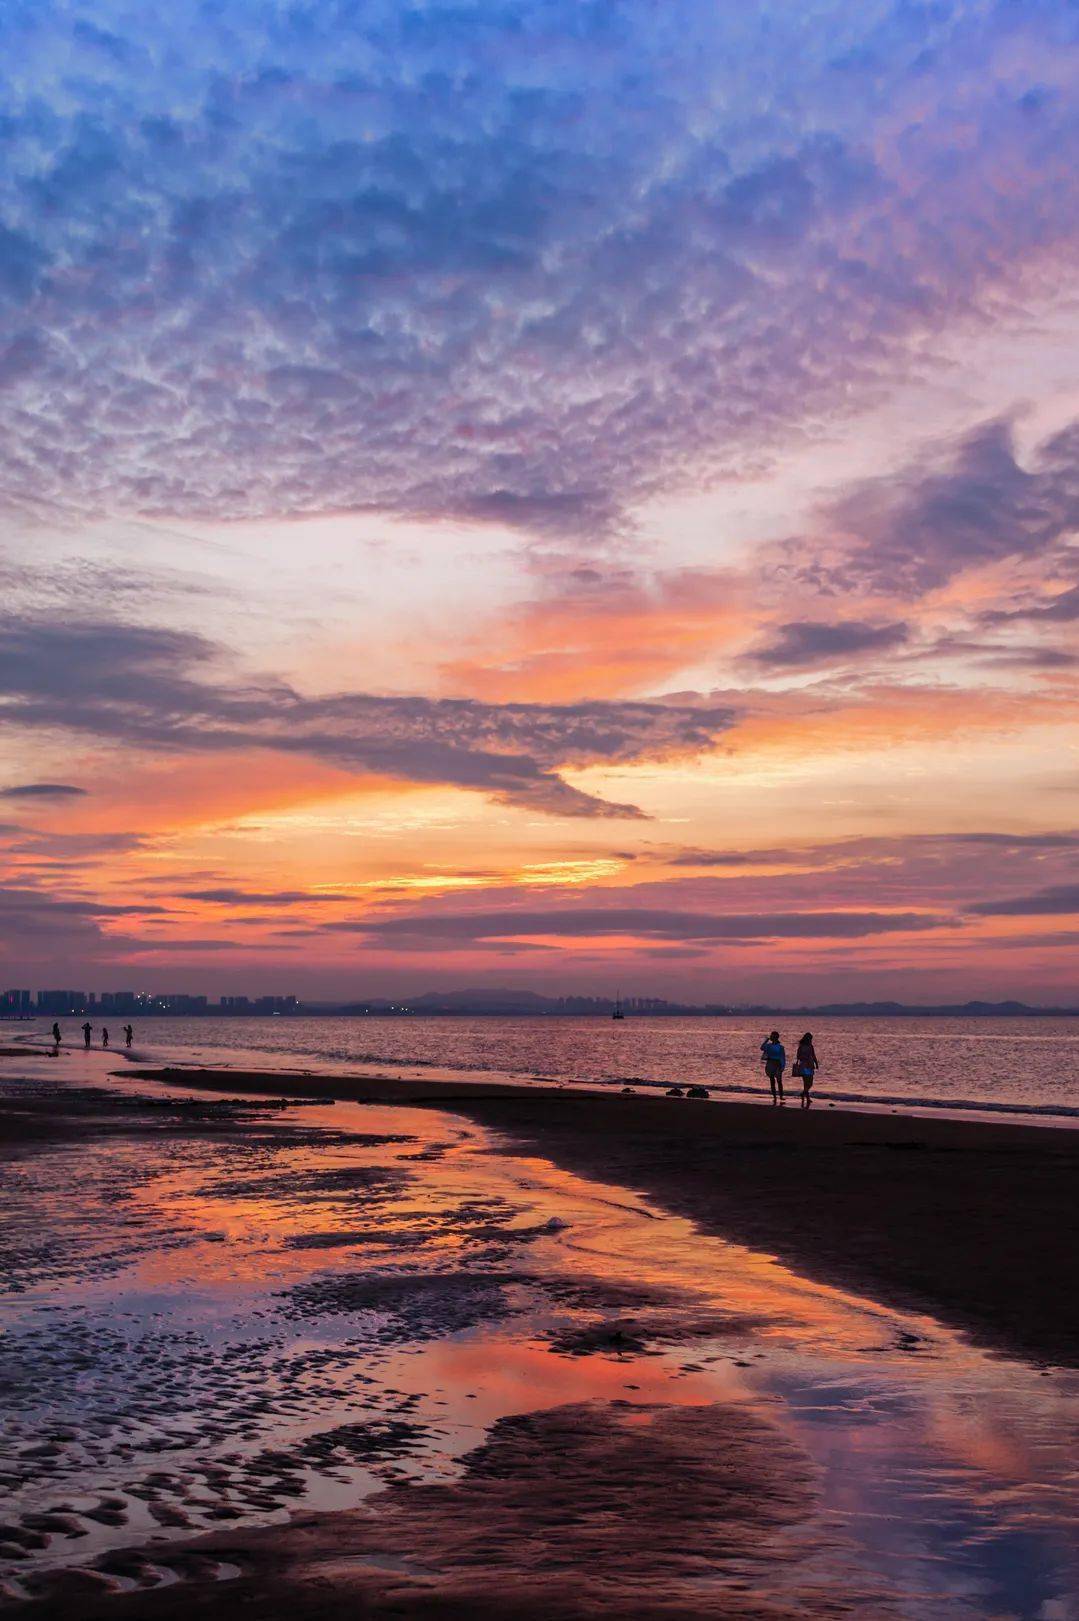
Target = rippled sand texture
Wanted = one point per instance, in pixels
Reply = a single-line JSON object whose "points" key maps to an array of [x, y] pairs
{"points": [[343, 1360]]}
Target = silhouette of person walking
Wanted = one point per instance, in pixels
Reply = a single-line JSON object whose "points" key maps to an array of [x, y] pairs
{"points": [[87, 1031], [806, 1065], [56, 1035], [128, 1033], [775, 1062], [104, 1035]]}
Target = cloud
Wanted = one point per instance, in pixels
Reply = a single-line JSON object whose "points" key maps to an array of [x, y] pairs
{"points": [[813, 642], [714, 858], [1062, 899], [1061, 940], [263, 897], [523, 262], [67, 583], [36, 849], [156, 688], [1007, 841], [966, 504], [147, 946], [1062, 609], [16, 901], [638, 921], [863, 851], [42, 790], [949, 874], [1033, 658], [606, 630], [34, 920]]}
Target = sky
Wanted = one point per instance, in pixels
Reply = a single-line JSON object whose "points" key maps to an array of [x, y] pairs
{"points": [[569, 494]]}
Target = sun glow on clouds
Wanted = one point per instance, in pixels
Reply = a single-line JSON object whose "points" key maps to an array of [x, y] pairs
{"points": [[468, 472]]}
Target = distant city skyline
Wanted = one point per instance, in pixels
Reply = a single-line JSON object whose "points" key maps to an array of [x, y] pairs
{"points": [[575, 495], [68, 1001], [16, 1004]]}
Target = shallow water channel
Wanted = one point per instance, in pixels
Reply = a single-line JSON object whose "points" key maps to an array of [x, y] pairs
{"points": [[205, 1327]]}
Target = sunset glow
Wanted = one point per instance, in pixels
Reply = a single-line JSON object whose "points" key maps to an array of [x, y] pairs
{"points": [[569, 497]]}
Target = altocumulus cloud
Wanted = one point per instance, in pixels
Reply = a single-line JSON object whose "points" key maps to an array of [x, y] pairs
{"points": [[155, 688], [522, 261]]}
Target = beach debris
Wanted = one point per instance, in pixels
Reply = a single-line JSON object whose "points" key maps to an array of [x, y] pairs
{"points": [[675, 1092]]}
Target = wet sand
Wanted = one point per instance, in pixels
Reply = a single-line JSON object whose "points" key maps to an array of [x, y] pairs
{"points": [[524, 1538], [974, 1221], [284, 1356]]}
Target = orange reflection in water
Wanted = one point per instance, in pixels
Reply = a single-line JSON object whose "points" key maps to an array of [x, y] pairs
{"points": [[908, 1426]]}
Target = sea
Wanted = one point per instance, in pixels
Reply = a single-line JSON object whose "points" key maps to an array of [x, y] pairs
{"points": [[1026, 1067]]}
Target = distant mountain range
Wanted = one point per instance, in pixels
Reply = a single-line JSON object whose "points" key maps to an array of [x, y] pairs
{"points": [[947, 1010], [498, 1000]]}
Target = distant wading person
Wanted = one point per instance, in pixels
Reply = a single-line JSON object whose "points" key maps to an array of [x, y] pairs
{"points": [[806, 1065], [128, 1033], [104, 1035], [87, 1031], [56, 1035], [775, 1062]]}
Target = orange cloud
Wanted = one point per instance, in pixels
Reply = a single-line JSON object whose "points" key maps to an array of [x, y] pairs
{"points": [[821, 717], [602, 636]]}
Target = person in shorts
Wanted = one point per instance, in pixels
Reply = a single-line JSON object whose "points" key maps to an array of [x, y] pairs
{"points": [[806, 1065], [775, 1062]]}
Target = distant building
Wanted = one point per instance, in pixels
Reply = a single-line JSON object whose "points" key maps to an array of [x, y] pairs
{"points": [[276, 1004], [170, 1002], [142, 1004], [62, 1002]]}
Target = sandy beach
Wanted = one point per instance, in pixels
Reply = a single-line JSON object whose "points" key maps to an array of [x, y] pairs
{"points": [[328, 1348], [975, 1221]]}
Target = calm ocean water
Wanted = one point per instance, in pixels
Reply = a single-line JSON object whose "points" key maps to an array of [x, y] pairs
{"points": [[1027, 1066]]}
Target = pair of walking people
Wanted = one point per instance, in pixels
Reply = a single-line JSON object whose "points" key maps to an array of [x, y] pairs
{"points": [[806, 1065]]}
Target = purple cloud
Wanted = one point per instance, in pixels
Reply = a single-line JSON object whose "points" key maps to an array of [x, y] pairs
{"points": [[1062, 609], [42, 790], [524, 262], [968, 504], [652, 923], [151, 688], [1059, 899], [805, 643], [260, 897]]}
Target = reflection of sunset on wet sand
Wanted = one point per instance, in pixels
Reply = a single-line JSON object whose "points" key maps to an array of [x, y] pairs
{"points": [[280, 1312]]}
